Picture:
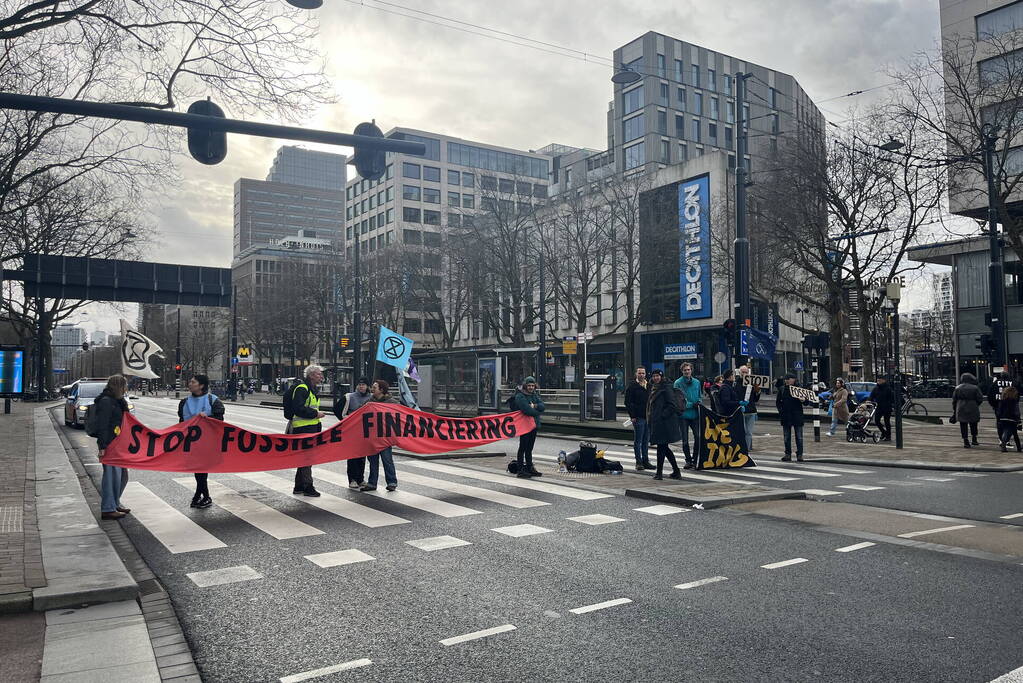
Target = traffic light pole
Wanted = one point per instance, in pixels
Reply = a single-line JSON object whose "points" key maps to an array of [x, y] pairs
{"points": [[996, 277], [177, 358], [234, 342], [357, 314], [742, 271]]}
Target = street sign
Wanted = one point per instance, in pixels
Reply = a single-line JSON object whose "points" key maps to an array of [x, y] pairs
{"points": [[569, 346], [720, 358], [234, 361], [550, 358], [798, 365], [569, 374]]}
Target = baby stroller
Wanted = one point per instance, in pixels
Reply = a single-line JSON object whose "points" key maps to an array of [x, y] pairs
{"points": [[858, 427]]}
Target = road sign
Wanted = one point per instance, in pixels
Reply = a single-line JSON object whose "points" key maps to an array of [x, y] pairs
{"points": [[720, 358], [569, 374], [550, 358], [798, 365], [569, 346]]}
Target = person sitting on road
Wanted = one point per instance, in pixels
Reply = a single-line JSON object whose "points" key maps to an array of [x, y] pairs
{"points": [[966, 400], [201, 402], [110, 408]]}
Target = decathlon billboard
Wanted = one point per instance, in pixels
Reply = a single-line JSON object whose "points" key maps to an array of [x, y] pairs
{"points": [[694, 276]]}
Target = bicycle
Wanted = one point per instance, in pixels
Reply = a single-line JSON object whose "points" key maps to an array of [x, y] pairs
{"points": [[911, 407]]}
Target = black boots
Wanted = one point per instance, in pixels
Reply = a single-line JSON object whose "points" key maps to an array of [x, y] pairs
{"points": [[966, 444]]}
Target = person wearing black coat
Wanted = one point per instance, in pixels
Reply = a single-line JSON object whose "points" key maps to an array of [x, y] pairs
{"points": [[662, 412], [790, 412], [1007, 416], [728, 398], [636, 395], [110, 408], [884, 398]]}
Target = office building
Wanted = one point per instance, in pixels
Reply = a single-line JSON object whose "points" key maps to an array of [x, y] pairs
{"points": [[67, 338], [99, 338], [308, 168]]}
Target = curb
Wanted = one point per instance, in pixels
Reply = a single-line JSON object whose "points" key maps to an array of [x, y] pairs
{"points": [[919, 465], [79, 561], [709, 502]]}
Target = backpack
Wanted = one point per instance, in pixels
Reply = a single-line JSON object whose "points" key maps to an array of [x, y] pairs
{"points": [[92, 425], [289, 395], [511, 403]]}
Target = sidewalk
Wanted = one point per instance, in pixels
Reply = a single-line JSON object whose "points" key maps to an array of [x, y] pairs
{"points": [[21, 556]]}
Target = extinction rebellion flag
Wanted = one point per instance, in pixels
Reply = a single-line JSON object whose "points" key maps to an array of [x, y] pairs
{"points": [[722, 441]]}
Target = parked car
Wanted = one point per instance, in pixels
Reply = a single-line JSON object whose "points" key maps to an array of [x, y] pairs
{"points": [[936, 387], [861, 391], [80, 396]]}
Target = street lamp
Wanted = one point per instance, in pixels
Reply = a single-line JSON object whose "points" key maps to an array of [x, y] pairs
{"points": [[894, 294], [624, 76]]}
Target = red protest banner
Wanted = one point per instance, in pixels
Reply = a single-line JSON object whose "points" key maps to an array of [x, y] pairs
{"points": [[203, 444]]}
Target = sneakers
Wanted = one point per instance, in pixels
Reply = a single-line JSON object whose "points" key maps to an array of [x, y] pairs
{"points": [[354, 484], [826, 434], [974, 442], [311, 492], [204, 502], [799, 458], [966, 444], [367, 487], [533, 472], [658, 476], [787, 458], [1001, 447], [392, 487], [676, 474], [112, 515], [649, 465], [639, 467], [197, 497]]}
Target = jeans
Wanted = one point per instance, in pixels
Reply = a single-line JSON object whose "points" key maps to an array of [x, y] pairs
{"points": [[749, 420], [690, 425], [789, 430], [525, 454], [834, 424], [356, 470], [111, 487], [641, 439], [390, 476]]}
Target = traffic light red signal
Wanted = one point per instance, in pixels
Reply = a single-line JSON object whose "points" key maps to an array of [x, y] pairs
{"points": [[177, 368]]}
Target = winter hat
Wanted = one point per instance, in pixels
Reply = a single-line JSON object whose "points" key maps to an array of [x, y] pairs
{"points": [[657, 372], [529, 380]]}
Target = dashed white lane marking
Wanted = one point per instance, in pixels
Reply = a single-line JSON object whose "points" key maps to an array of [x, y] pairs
{"points": [[263, 517], [702, 477], [850, 548], [339, 557], [520, 530], [476, 635], [218, 577], [805, 473], [174, 530], [785, 563], [1014, 676], [440, 508], [935, 478], [565, 491], [438, 543], [1013, 516], [826, 468], [660, 510], [506, 499], [360, 514], [967, 474], [326, 671], [897, 482], [860, 487], [751, 472], [914, 534], [600, 606], [701, 582], [821, 492], [594, 520]]}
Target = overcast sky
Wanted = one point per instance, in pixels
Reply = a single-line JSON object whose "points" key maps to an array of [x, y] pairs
{"points": [[405, 72]]}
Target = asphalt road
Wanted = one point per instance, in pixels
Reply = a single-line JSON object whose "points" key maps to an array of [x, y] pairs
{"points": [[879, 613]]}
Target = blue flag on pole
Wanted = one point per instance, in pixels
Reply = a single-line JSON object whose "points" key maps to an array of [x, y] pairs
{"points": [[758, 344], [394, 349]]}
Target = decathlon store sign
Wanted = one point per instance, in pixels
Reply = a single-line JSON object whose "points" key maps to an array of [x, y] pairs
{"points": [[687, 351], [694, 249]]}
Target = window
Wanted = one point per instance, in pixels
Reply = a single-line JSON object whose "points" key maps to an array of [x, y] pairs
{"points": [[633, 100], [413, 236], [431, 217], [431, 195], [524, 189], [372, 201], [635, 156], [454, 220], [664, 94], [773, 98], [390, 236], [505, 186], [680, 126], [468, 180], [390, 172], [774, 124], [380, 198], [431, 174], [662, 122], [348, 213], [432, 146], [501, 162], [488, 182], [683, 152], [714, 112], [363, 227], [412, 325], [348, 235], [665, 152], [731, 161], [696, 75], [695, 137], [468, 201], [410, 170], [745, 113], [434, 326], [453, 177], [679, 67], [698, 103], [539, 191], [390, 192], [633, 128], [364, 206], [432, 239], [355, 209], [681, 96], [523, 208], [730, 112], [726, 81], [373, 222], [410, 192], [1000, 21], [454, 199], [728, 137], [712, 79], [411, 215], [712, 133], [390, 215]]}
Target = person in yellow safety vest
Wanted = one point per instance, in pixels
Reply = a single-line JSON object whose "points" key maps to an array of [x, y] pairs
{"points": [[304, 407]]}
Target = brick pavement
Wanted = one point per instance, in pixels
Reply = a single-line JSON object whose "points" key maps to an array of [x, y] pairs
{"points": [[21, 559]]}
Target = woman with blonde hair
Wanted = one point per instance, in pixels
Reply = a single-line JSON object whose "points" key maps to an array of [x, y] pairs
{"points": [[110, 408]]}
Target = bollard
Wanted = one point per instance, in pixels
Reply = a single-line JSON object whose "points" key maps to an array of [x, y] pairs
{"points": [[816, 406]]}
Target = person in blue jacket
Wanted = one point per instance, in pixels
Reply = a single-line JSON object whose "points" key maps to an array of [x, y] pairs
{"points": [[692, 389], [527, 399]]}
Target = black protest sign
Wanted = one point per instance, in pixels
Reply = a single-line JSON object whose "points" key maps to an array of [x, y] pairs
{"points": [[722, 442]]}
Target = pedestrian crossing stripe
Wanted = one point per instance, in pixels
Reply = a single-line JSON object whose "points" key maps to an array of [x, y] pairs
{"points": [[413, 500], [265, 518], [565, 491], [175, 531]]}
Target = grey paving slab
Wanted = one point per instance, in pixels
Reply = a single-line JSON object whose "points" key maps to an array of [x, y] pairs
{"points": [[125, 608], [143, 672], [85, 646]]}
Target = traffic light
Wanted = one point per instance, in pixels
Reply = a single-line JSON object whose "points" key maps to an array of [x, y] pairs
{"points": [[987, 345], [371, 164], [207, 146], [344, 342], [729, 326], [177, 368], [85, 346]]}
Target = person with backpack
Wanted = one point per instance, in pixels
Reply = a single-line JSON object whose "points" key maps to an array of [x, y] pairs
{"points": [[692, 393], [636, 395], [342, 409], [103, 422], [380, 393], [200, 402], [527, 399], [664, 407], [302, 408]]}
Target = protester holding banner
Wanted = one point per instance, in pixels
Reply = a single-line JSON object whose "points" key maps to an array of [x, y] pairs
{"points": [[352, 402], [109, 408], [636, 395], [527, 399], [302, 408], [839, 405], [884, 398], [201, 402], [727, 399], [749, 395], [381, 394], [662, 413], [691, 390], [790, 412]]}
